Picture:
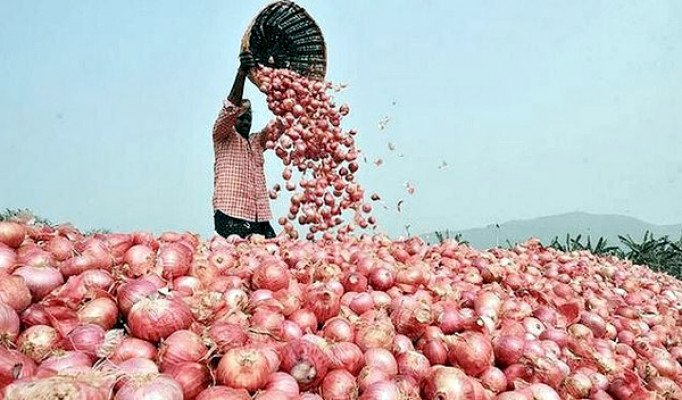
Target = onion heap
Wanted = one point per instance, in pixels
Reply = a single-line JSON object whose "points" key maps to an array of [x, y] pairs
{"points": [[366, 317]]}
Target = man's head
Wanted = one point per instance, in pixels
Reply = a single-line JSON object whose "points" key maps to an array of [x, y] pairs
{"points": [[243, 125]]}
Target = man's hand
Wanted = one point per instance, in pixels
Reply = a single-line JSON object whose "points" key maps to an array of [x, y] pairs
{"points": [[247, 62]]}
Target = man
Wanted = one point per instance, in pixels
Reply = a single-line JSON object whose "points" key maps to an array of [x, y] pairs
{"points": [[240, 199]]}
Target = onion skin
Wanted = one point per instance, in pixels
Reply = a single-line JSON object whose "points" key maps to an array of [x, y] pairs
{"points": [[14, 365], [40, 280]]}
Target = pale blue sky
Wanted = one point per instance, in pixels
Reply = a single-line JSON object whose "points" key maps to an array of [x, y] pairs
{"points": [[538, 107]]}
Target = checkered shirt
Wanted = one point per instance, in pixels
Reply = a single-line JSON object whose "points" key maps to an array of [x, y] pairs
{"points": [[239, 178]]}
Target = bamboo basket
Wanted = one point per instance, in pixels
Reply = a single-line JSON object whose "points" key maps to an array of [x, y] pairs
{"points": [[284, 35]]}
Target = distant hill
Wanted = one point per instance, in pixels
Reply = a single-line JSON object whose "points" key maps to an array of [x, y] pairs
{"points": [[546, 228]]}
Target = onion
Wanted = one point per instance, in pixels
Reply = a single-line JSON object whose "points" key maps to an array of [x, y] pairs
{"points": [[306, 362], [361, 303], [14, 365], [102, 311], [9, 324], [348, 356], [305, 319], [382, 390], [339, 384], [8, 259], [227, 336], [130, 347], [223, 393], [12, 234], [154, 320], [140, 259], [181, 347], [86, 338], [577, 385], [508, 349], [60, 248], [494, 380], [381, 359], [173, 260], [192, 377], [284, 383], [243, 368], [133, 368], [472, 351], [381, 279], [131, 292], [38, 341], [40, 280], [447, 383], [271, 277], [323, 302], [150, 387], [338, 330], [64, 360], [413, 364]]}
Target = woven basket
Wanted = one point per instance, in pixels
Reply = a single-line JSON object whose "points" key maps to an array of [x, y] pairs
{"points": [[284, 35]]}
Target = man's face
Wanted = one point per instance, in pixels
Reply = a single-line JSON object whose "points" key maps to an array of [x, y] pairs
{"points": [[243, 125]]}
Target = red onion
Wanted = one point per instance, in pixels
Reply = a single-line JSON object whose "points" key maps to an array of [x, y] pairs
{"points": [[323, 302], [130, 347], [268, 320], [436, 352], [140, 259], [133, 368], [173, 260], [447, 383], [154, 320], [402, 343], [306, 362], [9, 324], [284, 383], [133, 291], [271, 277], [382, 390], [339, 384], [14, 365], [375, 334], [508, 349], [102, 311], [369, 376], [348, 356], [355, 282], [381, 279], [12, 234], [223, 393], [187, 285], [86, 338], [361, 303], [411, 318], [150, 387], [40, 280], [243, 368], [413, 364], [381, 359], [338, 330], [65, 360], [192, 377], [472, 351], [180, 347], [494, 380], [8, 259], [38, 341], [227, 336], [305, 319]]}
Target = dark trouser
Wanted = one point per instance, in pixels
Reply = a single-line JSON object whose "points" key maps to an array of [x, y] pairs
{"points": [[226, 226]]}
